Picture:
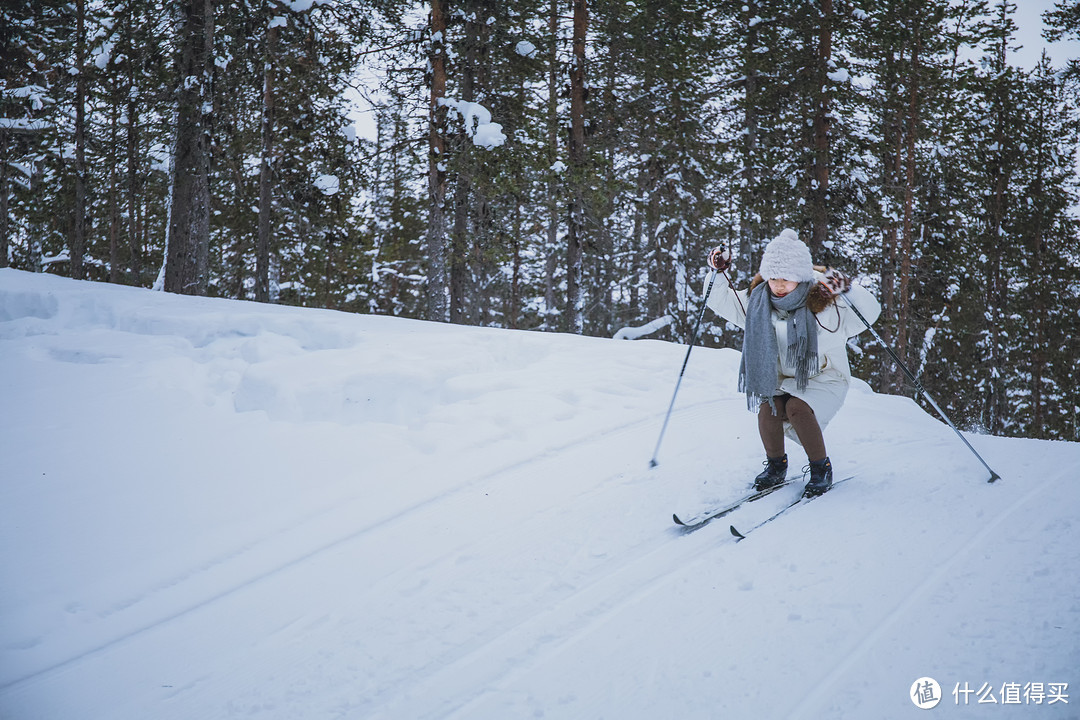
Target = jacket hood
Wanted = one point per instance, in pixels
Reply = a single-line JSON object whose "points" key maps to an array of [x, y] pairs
{"points": [[819, 299]]}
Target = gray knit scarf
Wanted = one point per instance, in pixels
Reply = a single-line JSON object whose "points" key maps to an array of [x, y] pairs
{"points": [[757, 373]]}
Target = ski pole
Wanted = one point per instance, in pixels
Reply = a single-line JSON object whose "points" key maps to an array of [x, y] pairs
{"points": [[919, 386], [693, 341]]}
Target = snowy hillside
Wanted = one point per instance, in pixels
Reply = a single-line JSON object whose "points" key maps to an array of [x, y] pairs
{"points": [[214, 509]]}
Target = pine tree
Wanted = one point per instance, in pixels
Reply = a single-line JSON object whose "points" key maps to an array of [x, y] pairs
{"points": [[1063, 21], [576, 236], [186, 268], [1043, 302], [438, 290], [32, 42], [267, 155], [915, 83], [77, 250], [624, 149], [998, 158], [396, 219], [654, 158], [280, 83]]}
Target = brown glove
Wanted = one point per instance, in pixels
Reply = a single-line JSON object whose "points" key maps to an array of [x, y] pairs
{"points": [[720, 258], [835, 282]]}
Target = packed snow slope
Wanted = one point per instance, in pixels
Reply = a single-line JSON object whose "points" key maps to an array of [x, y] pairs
{"points": [[215, 509]]}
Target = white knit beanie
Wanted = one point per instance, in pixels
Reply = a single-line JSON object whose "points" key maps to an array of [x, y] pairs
{"points": [[787, 258]]}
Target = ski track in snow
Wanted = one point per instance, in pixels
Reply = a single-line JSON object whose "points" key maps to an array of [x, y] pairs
{"points": [[811, 706], [535, 628], [524, 565], [410, 520]]}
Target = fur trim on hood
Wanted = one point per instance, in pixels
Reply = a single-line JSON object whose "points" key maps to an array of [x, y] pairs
{"points": [[819, 298]]}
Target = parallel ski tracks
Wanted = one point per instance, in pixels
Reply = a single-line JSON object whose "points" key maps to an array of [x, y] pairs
{"points": [[528, 634], [542, 631], [428, 507], [943, 569]]}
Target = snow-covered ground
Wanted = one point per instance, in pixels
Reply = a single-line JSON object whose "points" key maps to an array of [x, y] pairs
{"points": [[216, 509]]}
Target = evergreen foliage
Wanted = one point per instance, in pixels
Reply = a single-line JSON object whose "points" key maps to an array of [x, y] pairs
{"points": [[512, 182]]}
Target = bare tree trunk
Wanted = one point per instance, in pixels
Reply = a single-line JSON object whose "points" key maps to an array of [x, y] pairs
{"points": [[136, 227], [78, 237], [748, 206], [552, 263], [437, 291], [132, 137], [133, 230], [903, 299], [513, 310], [458, 257], [4, 222], [34, 251], [660, 266], [114, 200], [576, 217], [463, 232], [638, 253], [997, 285], [819, 210], [1039, 310], [264, 236], [892, 379], [997, 290], [188, 245]]}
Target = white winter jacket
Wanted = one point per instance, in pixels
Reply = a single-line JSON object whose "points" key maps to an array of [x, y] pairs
{"points": [[827, 388]]}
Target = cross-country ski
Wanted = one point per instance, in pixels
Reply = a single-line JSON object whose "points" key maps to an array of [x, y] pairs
{"points": [[222, 509], [700, 520], [801, 500]]}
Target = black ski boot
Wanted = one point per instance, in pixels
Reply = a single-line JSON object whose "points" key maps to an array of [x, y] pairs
{"points": [[820, 478], [775, 473]]}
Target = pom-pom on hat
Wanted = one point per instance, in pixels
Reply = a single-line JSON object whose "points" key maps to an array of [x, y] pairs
{"points": [[787, 258]]}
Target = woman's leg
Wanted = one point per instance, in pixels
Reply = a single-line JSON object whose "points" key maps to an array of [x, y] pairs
{"points": [[771, 427], [802, 418]]}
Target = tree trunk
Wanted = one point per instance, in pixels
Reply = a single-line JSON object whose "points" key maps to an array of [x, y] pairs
{"points": [[188, 245], [265, 232], [114, 191], [133, 231], [132, 137], [552, 263], [513, 310], [892, 379], [997, 288], [749, 229], [4, 224], [437, 291], [903, 299], [819, 195], [576, 216], [1039, 310], [463, 232], [78, 237], [35, 252]]}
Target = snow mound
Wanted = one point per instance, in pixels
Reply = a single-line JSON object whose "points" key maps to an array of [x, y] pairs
{"points": [[212, 508]]}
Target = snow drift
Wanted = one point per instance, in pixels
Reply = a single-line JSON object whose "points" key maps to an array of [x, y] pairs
{"points": [[212, 508]]}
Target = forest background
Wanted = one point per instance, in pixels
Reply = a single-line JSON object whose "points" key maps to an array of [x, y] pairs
{"points": [[565, 165]]}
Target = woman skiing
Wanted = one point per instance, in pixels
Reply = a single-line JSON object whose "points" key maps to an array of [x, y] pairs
{"points": [[794, 368]]}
